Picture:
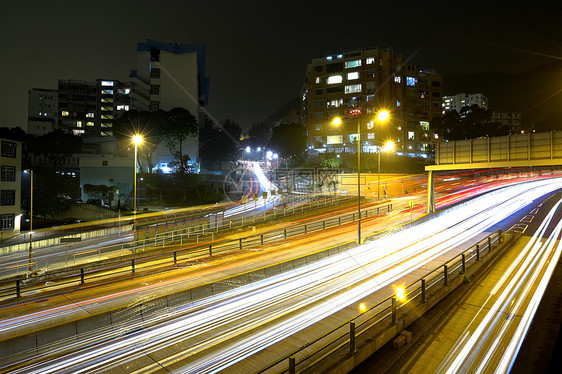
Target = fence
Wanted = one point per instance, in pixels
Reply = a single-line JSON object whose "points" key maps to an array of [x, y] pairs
{"points": [[92, 264]]}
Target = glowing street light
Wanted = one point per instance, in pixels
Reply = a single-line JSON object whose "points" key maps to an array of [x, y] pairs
{"points": [[382, 116], [137, 139]]}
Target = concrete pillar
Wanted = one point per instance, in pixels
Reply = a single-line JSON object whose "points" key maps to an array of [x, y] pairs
{"points": [[430, 192]]}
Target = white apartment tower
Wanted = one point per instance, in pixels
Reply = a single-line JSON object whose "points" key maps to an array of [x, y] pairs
{"points": [[457, 102], [171, 76]]}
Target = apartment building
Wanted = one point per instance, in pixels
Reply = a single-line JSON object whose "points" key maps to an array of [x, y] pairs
{"points": [[512, 120], [457, 102], [355, 86], [42, 109], [10, 187], [171, 76]]}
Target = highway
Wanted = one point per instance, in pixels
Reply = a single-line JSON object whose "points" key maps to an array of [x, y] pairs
{"points": [[220, 331], [492, 340]]}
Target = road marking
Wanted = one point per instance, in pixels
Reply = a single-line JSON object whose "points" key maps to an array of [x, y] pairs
{"points": [[527, 219], [518, 227]]}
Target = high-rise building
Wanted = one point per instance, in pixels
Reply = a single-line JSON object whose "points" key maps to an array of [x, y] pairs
{"points": [[77, 107], [171, 76], [113, 99], [355, 86], [88, 108], [42, 111], [457, 102]]}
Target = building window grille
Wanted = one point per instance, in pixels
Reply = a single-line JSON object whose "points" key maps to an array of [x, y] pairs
{"points": [[6, 221], [8, 173], [9, 149], [8, 197]]}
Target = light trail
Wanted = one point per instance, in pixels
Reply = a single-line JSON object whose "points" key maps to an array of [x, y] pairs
{"points": [[250, 318], [527, 277]]}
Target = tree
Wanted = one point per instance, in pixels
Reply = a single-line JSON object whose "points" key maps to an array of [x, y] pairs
{"points": [[179, 124], [220, 143], [148, 125], [56, 146], [472, 122], [288, 140], [260, 134]]}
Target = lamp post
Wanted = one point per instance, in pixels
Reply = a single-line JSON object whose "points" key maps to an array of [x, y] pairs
{"points": [[388, 146], [137, 139], [382, 116], [30, 266]]}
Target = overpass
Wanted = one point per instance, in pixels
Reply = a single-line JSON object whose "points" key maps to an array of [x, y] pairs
{"points": [[520, 150]]}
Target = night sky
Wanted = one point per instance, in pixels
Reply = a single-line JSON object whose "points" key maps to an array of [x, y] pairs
{"points": [[258, 51]]}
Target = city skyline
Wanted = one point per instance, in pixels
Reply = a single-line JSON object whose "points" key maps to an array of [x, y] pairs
{"points": [[257, 53]]}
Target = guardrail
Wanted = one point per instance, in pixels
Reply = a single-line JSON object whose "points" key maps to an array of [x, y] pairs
{"points": [[128, 264], [382, 315], [163, 232]]}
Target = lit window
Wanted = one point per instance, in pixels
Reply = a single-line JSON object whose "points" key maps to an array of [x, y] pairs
{"points": [[89, 124], [399, 128], [78, 132], [340, 56], [318, 127], [336, 103], [411, 81], [371, 135], [329, 58], [64, 113], [123, 107], [318, 80], [353, 88], [370, 124], [424, 125], [352, 64], [370, 60], [90, 115], [78, 123], [127, 91], [334, 139], [398, 103], [353, 75], [107, 83], [107, 92], [397, 79], [411, 135], [370, 98], [334, 79]]}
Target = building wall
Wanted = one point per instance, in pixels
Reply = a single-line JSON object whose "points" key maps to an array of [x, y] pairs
{"points": [[10, 187], [509, 119], [108, 170], [370, 80]]}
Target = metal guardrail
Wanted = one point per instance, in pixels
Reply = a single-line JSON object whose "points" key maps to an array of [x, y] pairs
{"points": [[384, 313], [162, 233], [131, 262]]}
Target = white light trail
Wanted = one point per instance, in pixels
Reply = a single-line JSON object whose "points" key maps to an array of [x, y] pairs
{"points": [[276, 307]]}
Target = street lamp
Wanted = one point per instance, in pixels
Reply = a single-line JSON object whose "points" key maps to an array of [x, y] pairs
{"points": [[388, 146], [137, 139], [30, 265], [356, 112]]}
